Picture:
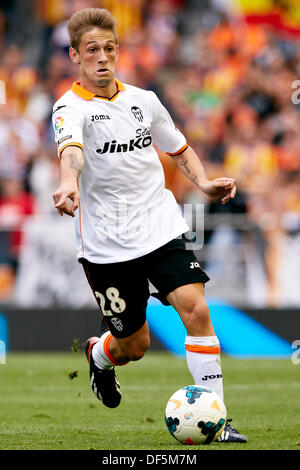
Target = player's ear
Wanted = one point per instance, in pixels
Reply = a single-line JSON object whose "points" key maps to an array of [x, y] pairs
{"points": [[74, 55], [118, 49]]}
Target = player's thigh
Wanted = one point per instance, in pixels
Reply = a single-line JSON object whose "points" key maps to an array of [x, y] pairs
{"points": [[173, 266], [179, 279], [122, 292], [190, 303]]}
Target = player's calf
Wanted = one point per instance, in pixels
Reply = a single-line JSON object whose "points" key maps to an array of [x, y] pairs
{"points": [[132, 350]]}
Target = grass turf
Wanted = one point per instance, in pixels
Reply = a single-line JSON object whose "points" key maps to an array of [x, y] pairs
{"points": [[41, 408]]}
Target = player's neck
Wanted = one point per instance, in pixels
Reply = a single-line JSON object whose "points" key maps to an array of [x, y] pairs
{"points": [[105, 91]]}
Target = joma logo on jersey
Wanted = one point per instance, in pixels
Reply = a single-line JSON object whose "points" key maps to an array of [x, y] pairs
{"points": [[134, 144], [99, 117]]}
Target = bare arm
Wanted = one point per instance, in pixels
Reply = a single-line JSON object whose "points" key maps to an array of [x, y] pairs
{"points": [[219, 188], [71, 165]]}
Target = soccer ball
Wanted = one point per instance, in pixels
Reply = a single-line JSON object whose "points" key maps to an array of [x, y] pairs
{"points": [[195, 415]]}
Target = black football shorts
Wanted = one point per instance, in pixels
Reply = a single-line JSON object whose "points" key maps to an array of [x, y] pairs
{"points": [[122, 289]]}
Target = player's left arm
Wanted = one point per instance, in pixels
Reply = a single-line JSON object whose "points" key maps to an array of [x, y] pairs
{"points": [[168, 138], [191, 166]]}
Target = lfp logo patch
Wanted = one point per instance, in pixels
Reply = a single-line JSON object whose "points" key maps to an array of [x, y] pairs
{"points": [[59, 122]]}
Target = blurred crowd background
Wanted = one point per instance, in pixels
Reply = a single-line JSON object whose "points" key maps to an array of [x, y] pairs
{"points": [[227, 71]]}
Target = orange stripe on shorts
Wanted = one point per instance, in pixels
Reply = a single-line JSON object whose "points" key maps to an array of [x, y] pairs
{"points": [[203, 349]]}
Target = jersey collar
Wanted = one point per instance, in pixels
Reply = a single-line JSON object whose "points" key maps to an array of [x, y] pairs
{"points": [[88, 95]]}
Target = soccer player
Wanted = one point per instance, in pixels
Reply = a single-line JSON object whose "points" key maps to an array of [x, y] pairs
{"points": [[128, 225]]}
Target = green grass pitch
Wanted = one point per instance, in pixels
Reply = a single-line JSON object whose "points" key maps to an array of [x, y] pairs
{"points": [[42, 408]]}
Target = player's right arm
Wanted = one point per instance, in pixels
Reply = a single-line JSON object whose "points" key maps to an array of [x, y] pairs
{"points": [[68, 123], [67, 198]]}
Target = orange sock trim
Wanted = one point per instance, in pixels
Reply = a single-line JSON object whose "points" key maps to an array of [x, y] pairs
{"points": [[203, 349], [106, 344]]}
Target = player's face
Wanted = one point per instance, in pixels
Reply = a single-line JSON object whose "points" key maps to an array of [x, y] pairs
{"points": [[97, 57]]}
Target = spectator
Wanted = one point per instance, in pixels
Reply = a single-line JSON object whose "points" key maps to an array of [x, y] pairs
{"points": [[15, 205]]}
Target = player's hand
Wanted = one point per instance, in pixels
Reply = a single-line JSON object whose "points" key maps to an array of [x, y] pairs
{"points": [[66, 200], [220, 188]]}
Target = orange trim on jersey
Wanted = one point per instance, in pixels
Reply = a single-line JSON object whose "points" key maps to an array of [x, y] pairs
{"points": [[179, 151], [82, 92], [88, 95], [203, 349], [120, 86], [80, 227], [70, 144]]}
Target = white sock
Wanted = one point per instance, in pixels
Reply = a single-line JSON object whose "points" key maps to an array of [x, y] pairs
{"points": [[99, 352], [203, 360]]}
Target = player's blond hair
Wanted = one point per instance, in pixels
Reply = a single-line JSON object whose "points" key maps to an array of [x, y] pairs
{"points": [[88, 18]]}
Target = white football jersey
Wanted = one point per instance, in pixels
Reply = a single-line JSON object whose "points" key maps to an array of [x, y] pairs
{"points": [[125, 210]]}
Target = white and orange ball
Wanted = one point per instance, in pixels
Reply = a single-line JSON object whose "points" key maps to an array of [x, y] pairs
{"points": [[195, 415]]}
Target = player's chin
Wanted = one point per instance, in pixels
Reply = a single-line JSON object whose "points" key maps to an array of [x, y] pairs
{"points": [[104, 81]]}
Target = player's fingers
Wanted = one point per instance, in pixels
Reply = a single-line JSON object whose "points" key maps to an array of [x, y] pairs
{"points": [[68, 210], [225, 179], [59, 211], [56, 198], [75, 204], [60, 203], [233, 192], [224, 183], [225, 199], [229, 194], [64, 206]]}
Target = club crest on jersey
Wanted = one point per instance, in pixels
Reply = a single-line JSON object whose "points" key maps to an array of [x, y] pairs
{"points": [[117, 323], [137, 112]]}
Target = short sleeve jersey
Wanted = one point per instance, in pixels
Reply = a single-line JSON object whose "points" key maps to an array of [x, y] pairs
{"points": [[125, 210]]}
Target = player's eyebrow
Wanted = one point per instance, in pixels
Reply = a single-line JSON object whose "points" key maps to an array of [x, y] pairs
{"points": [[93, 41], [90, 42]]}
